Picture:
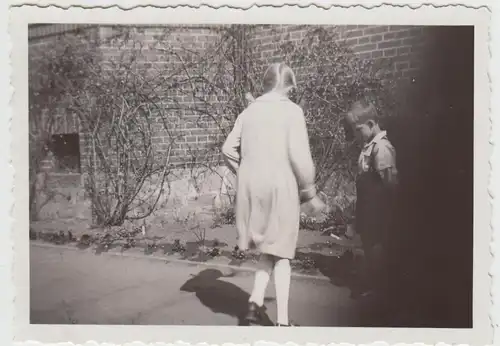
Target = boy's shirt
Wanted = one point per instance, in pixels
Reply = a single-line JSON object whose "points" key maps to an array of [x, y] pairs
{"points": [[374, 201], [378, 155]]}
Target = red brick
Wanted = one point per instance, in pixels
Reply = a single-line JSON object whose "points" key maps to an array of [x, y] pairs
{"points": [[390, 36], [297, 35], [354, 33], [390, 52], [412, 41], [399, 27], [410, 73], [389, 44], [365, 47], [417, 31], [376, 30], [366, 55], [352, 41], [398, 74], [403, 50], [363, 40], [402, 57], [403, 34], [415, 64], [402, 65]]}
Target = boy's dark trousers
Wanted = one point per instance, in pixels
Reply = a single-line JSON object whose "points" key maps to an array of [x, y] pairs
{"points": [[373, 215]]}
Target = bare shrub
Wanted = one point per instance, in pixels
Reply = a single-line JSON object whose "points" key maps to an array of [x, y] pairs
{"points": [[140, 119], [119, 104], [330, 78]]}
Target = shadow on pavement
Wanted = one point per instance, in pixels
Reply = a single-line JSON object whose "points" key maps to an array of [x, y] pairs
{"points": [[390, 309], [220, 296], [341, 270]]}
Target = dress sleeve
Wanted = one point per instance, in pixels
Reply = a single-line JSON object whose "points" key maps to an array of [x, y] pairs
{"points": [[231, 147], [299, 154]]}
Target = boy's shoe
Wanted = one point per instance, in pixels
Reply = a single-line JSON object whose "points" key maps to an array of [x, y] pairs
{"points": [[362, 293], [254, 314], [348, 242]]}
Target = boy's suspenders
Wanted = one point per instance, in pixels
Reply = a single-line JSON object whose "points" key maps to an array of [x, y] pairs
{"points": [[372, 159]]}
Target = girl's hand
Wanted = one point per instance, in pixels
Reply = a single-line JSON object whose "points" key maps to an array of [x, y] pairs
{"points": [[314, 207]]}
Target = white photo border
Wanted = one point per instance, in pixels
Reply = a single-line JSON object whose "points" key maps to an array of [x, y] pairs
{"points": [[385, 14]]}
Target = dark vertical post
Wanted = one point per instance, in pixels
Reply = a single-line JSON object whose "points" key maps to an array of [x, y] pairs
{"points": [[434, 236]]}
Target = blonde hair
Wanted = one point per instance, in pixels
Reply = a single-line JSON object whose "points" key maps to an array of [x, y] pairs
{"points": [[362, 112], [278, 76]]}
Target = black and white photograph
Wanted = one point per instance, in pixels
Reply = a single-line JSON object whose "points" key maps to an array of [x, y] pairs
{"points": [[255, 175]]}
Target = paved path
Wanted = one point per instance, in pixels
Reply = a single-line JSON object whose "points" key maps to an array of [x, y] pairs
{"points": [[71, 286]]}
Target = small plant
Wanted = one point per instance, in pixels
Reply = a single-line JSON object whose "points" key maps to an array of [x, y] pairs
{"points": [[304, 263], [238, 254], [226, 216], [124, 233], [129, 243], [216, 243], [151, 247], [58, 238], [334, 222], [192, 224], [106, 241], [85, 240], [178, 247], [309, 223], [200, 233], [213, 252]]}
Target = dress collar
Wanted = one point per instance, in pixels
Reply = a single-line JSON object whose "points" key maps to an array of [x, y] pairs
{"points": [[272, 96]]}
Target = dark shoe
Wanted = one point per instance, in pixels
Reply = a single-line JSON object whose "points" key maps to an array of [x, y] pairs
{"points": [[362, 293], [286, 325], [254, 314]]}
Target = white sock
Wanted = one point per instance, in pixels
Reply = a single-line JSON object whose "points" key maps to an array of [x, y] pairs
{"points": [[262, 277], [282, 277]]}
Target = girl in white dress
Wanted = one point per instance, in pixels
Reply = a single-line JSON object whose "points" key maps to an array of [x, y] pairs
{"points": [[268, 149]]}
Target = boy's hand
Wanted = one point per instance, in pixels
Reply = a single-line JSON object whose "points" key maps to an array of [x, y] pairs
{"points": [[389, 177]]}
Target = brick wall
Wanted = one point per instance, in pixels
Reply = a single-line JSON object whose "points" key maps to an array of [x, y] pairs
{"points": [[153, 39], [402, 46], [44, 38]]}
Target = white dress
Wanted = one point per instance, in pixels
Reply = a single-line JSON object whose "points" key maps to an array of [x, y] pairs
{"points": [[268, 149]]}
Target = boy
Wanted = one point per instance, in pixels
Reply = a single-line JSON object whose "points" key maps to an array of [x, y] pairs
{"points": [[375, 189]]}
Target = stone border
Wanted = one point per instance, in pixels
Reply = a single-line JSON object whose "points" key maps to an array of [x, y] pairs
{"points": [[172, 260]]}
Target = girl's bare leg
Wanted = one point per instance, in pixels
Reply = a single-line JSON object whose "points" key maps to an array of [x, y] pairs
{"points": [[282, 277], [262, 277]]}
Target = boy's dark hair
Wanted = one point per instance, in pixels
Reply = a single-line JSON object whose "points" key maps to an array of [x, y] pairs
{"points": [[359, 113], [362, 111]]}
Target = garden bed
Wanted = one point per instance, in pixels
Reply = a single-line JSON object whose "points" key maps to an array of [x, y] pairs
{"points": [[315, 250]]}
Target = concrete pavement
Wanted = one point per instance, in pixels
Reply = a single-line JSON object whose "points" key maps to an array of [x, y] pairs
{"points": [[79, 287]]}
